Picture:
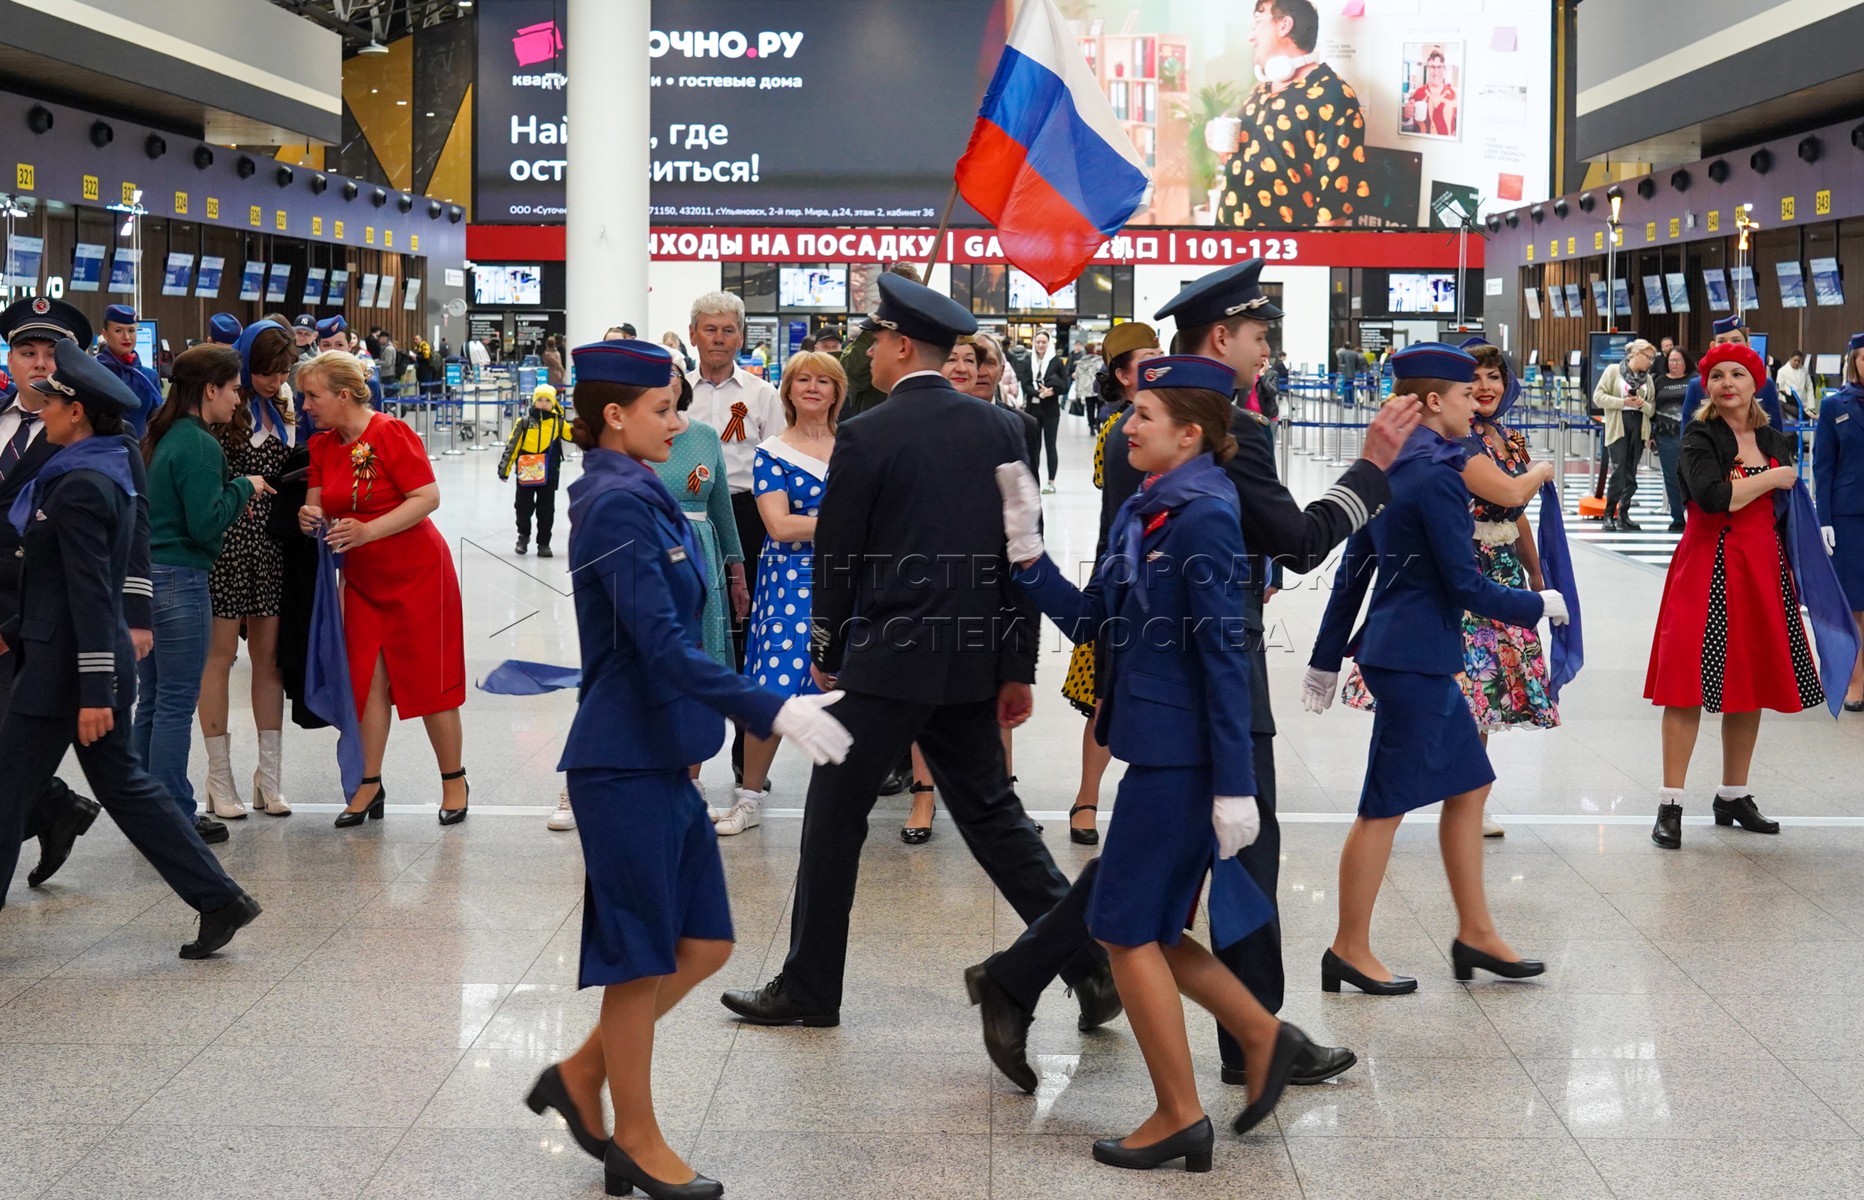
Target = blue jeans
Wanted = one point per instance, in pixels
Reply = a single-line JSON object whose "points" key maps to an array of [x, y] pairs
{"points": [[168, 680], [1669, 448]]}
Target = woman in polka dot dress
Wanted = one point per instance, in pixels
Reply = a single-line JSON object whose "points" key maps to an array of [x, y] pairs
{"points": [[1729, 635], [789, 473]]}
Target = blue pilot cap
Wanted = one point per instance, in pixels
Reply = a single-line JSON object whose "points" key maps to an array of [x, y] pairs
{"points": [[1434, 360], [1729, 325], [329, 327], [916, 311], [79, 377], [1855, 344], [119, 314], [627, 361], [44, 319], [1231, 292], [224, 328], [1187, 371]]}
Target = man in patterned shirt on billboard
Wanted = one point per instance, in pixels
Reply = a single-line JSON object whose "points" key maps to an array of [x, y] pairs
{"points": [[1297, 154]]}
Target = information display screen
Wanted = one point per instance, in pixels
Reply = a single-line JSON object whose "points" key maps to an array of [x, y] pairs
{"points": [[823, 288]]}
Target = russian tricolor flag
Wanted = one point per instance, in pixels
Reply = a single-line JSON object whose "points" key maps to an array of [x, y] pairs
{"points": [[1048, 163]]}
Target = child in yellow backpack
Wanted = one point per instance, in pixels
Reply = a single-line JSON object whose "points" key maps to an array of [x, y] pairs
{"points": [[534, 456]]}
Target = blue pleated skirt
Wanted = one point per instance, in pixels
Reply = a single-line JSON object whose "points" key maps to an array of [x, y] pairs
{"points": [[1848, 558], [1425, 746], [1159, 847], [652, 872]]}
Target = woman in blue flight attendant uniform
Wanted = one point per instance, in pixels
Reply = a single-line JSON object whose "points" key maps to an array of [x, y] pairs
{"points": [[655, 916], [1838, 489], [1425, 744], [1170, 639]]}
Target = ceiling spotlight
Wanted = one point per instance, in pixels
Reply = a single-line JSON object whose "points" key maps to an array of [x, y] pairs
{"points": [[1537, 213], [1679, 180], [101, 134], [246, 166], [1809, 149], [405, 203], [379, 197], [1587, 202], [1513, 218], [1718, 170], [434, 209], [203, 158], [284, 176], [1647, 187], [1559, 207], [1761, 160], [319, 182], [455, 214], [350, 189], [39, 119], [1616, 195], [155, 146], [1494, 223]]}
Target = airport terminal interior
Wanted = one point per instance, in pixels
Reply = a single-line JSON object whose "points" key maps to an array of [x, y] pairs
{"points": [[1572, 185]]}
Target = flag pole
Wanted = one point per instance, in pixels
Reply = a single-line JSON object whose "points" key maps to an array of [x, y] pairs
{"points": [[951, 202]]}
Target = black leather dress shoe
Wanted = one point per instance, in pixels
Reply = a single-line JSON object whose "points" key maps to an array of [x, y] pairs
{"points": [[898, 779], [1006, 1027], [1315, 1064], [621, 1175], [1099, 999], [55, 843], [1467, 960], [549, 1092], [1194, 1143], [219, 926], [1854, 706], [1668, 831], [1288, 1044], [773, 1005], [1627, 525], [212, 832], [1741, 811], [1335, 970]]}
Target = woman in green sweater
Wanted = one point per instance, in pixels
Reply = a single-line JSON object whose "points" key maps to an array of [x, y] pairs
{"points": [[191, 505]]}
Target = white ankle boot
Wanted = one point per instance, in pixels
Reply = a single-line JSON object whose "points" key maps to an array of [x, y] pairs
{"points": [[746, 813], [265, 794], [222, 798]]}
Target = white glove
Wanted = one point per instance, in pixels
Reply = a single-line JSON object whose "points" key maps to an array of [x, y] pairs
{"points": [[1831, 538], [1317, 689], [1022, 511], [1555, 610], [1238, 823], [802, 722]]}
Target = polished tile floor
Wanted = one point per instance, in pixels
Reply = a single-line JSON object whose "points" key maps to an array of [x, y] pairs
{"points": [[1698, 1034]]}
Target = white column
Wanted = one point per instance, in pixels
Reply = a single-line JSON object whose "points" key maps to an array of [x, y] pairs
{"points": [[606, 238]]}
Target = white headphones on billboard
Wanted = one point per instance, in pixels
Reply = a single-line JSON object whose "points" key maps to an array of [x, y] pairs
{"points": [[1281, 68]]}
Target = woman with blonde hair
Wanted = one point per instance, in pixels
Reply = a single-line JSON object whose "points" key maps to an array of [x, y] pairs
{"points": [[790, 472], [372, 495], [1628, 395]]}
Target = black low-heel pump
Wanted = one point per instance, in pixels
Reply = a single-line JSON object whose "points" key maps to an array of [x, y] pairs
{"points": [[453, 816], [621, 1176], [1466, 960], [1194, 1143], [1290, 1044], [1083, 837], [549, 1092], [1335, 970], [346, 818]]}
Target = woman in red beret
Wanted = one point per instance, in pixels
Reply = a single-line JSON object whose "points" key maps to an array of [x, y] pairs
{"points": [[1729, 635]]}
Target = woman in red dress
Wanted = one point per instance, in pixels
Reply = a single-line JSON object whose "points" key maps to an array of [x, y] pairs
{"points": [[372, 489], [1729, 634]]}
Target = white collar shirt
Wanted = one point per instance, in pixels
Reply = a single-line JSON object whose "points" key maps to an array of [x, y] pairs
{"points": [[761, 418], [10, 417]]}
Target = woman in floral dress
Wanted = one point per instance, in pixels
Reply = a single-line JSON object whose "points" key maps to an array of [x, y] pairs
{"points": [[1505, 676]]}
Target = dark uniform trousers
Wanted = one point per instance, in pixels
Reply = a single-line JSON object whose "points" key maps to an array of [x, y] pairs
{"points": [[961, 745], [34, 746], [54, 799]]}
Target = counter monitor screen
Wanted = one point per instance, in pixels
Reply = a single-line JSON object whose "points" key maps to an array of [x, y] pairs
{"points": [[813, 287], [500, 285], [1421, 292]]}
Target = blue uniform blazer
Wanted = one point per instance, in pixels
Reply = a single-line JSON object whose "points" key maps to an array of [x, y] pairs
{"points": [[651, 698], [1422, 547], [1178, 671], [1838, 456], [141, 380]]}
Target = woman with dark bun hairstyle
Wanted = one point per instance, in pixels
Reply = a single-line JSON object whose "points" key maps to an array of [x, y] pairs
{"points": [[656, 920], [1177, 712]]}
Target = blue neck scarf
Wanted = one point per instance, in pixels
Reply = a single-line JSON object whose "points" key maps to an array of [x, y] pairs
{"points": [[1834, 633], [606, 471], [1169, 492], [265, 416], [108, 456], [1427, 445]]}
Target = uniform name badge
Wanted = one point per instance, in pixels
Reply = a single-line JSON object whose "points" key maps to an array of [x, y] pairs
{"points": [[1842, 418], [677, 554]]}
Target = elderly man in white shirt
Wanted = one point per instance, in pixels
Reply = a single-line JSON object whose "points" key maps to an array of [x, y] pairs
{"points": [[745, 410]]}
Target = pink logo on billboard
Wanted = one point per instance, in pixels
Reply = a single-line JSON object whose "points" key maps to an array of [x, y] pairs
{"points": [[537, 43]]}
